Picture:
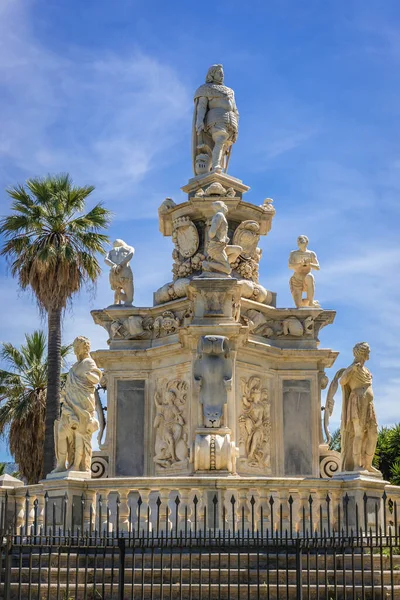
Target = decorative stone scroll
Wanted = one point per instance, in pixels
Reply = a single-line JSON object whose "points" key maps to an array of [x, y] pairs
{"points": [[99, 466], [170, 424], [137, 327], [255, 423], [259, 324]]}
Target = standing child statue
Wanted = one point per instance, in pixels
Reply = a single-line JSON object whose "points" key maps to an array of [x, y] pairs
{"points": [[77, 423], [302, 261], [121, 276], [220, 255]]}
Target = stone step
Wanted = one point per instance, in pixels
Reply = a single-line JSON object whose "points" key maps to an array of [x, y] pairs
{"points": [[193, 575], [214, 559], [207, 592]]}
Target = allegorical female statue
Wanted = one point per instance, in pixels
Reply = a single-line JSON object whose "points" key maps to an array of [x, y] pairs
{"points": [[77, 423], [359, 427], [215, 122]]}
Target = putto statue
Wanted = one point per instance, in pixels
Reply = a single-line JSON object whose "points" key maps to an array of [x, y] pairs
{"points": [[215, 123], [219, 254], [302, 261], [77, 423], [359, 427], [121, 276]]}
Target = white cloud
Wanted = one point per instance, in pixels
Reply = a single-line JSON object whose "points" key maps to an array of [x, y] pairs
{"points": [[106, 119]]}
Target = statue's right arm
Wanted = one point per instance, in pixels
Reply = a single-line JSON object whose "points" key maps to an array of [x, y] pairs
{"points": [[202, 104], [215, 223], [108, 261], [345, 378], [292, 263]]}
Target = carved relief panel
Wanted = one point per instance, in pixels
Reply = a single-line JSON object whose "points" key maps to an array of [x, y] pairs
{"points": [[171, 435], [254, 426]]}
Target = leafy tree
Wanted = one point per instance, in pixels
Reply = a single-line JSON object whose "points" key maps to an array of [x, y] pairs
{"points": [[387, 456], [23, 402], [335, 443], [2, 468], [52, 249]]}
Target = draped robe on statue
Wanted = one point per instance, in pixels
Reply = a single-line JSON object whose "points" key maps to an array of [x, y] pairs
{"points": [[357, 407], [78, 414]]}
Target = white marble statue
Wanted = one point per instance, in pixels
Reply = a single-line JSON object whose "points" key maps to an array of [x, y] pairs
{"points": [[77, 423], [302, 261], [359, 427], [215, 122], [219, 254], [121, 276]]}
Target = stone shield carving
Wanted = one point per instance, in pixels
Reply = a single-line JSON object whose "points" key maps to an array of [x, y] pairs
{"points": [[185, 237], [247, 235]]}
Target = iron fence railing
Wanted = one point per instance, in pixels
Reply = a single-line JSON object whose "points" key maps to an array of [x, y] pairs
{"points": [[358, 566]]}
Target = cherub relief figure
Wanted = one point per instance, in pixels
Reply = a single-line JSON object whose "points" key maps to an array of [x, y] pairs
{"points": [[255, 422], [169, 423]]}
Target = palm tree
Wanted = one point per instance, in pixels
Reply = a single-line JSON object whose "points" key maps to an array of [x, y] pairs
{"points": [[23, 402], [52, 249]]}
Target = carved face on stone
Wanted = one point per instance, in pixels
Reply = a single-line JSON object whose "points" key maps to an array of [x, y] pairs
{"points": [[302, 242], [169, 397], [202, 164], [81, 347], [361, 351], [220, 206], [215, 74]]}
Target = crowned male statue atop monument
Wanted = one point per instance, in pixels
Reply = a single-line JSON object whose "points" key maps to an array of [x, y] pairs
{"points": [[215, 122]]}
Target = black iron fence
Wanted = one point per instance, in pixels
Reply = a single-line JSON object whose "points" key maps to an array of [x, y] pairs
{"points": [[208, 566], [167, 550]]}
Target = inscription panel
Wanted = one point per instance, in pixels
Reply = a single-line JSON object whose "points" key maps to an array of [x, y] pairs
{"points": [[297, 432], [129, 459]]}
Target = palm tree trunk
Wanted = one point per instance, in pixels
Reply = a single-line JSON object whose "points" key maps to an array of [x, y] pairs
{"points": [[53, 387]]}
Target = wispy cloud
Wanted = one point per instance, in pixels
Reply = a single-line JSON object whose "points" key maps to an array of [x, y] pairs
{"points": [[105, 118]]}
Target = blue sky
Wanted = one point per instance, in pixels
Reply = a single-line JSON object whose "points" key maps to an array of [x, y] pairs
{"points": [[104, 90]]}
